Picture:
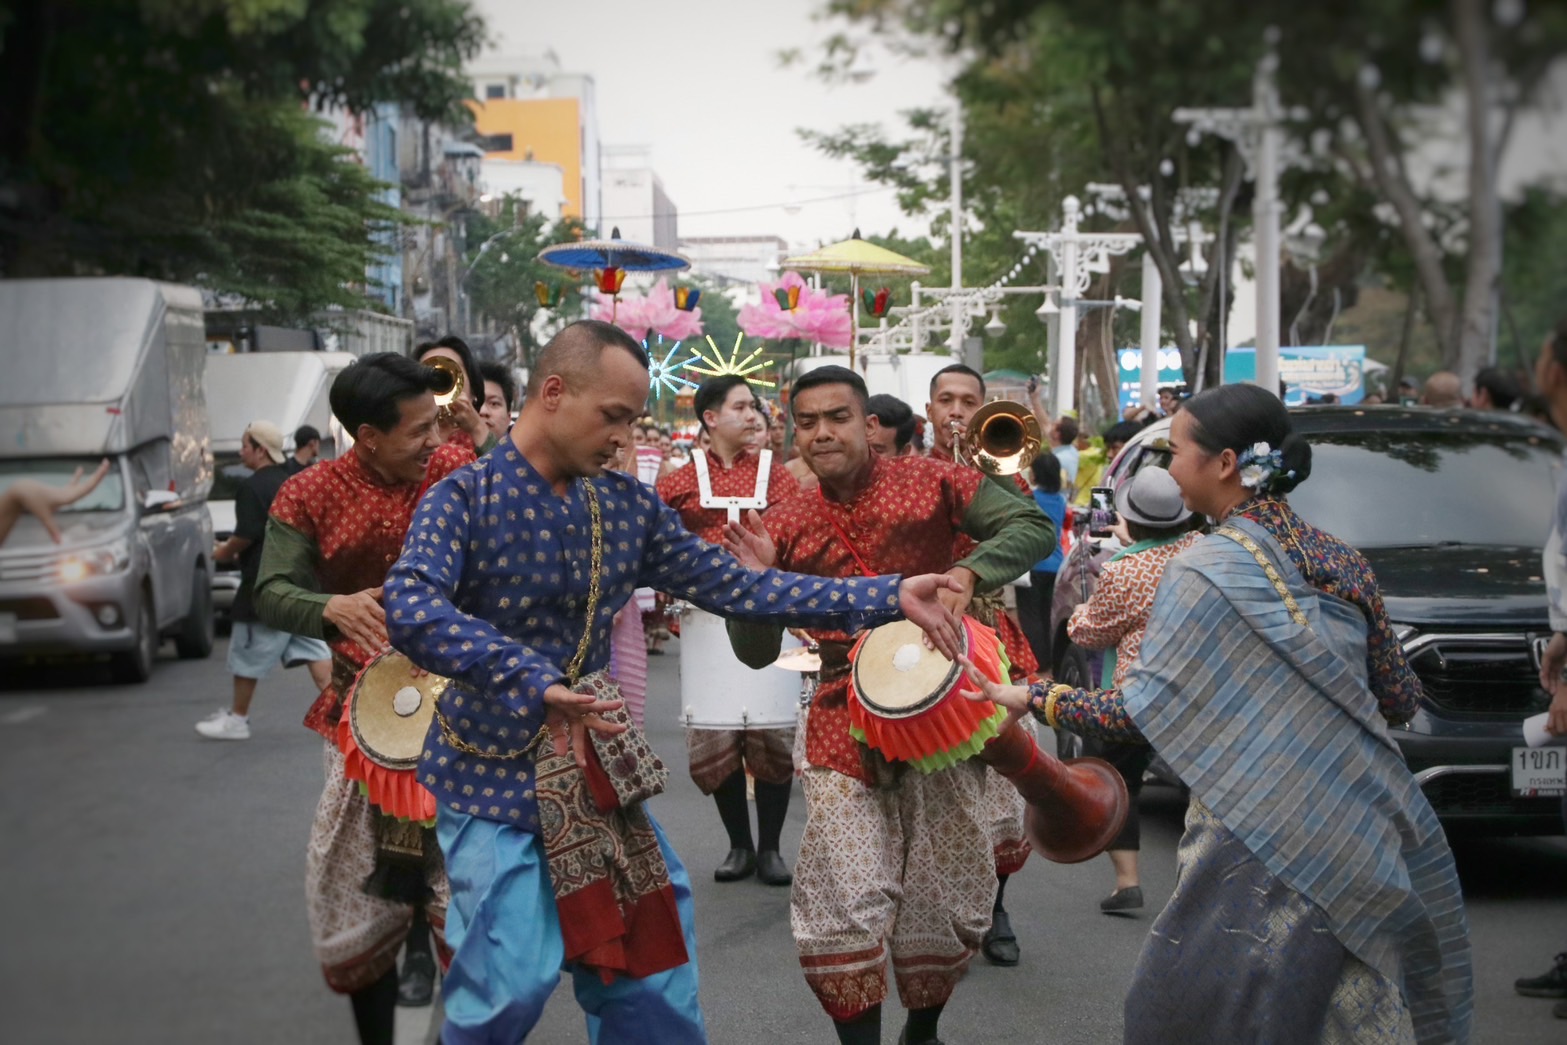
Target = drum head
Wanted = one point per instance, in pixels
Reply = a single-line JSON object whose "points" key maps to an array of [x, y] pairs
{"points": [[389, 711], [896, 676]]}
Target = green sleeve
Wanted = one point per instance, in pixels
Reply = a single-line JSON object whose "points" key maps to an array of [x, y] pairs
{"points": [[490, 442], [286, 596], [756, 644], [1013, 535]]}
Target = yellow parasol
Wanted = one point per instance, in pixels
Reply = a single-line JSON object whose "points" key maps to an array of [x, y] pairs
{"points": [[857, 258]]}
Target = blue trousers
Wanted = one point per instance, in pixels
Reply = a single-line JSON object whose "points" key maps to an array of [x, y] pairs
{"points": [[504, 930]]}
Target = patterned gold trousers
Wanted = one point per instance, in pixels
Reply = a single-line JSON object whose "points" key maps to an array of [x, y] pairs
{"points": [[905, 872]]}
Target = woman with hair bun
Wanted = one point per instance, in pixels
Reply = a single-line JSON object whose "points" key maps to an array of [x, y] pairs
{"points": [[1316, 898]]}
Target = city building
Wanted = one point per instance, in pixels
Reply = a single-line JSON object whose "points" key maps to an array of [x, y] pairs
{"points": [[634, 199], [735, 259], [373, 137], [528, 110]]}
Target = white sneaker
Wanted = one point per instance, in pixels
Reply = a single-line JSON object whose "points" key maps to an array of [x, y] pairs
{"points": [[224, 725]]}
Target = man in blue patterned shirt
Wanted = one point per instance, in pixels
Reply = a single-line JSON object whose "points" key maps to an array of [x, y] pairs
{"points": [[511, 575]]}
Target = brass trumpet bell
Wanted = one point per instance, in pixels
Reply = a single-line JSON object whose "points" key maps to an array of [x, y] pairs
{"points": [[450, 388], [1003, 438]]}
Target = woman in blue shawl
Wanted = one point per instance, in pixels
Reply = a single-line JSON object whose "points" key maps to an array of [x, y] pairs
{"points": [[1316, 898]]}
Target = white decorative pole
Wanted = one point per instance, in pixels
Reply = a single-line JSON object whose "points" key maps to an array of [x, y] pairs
{"points": [[1066, 383], [957, 305], [1265, 219], [1259, 138], [1076, 256], [1153, 301]]}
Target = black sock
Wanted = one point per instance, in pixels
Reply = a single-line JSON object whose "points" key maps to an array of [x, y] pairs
{"points": [[864, 1029], [1001, 891], [772, 806], [375, 1010], [921, 1026], [418, 935], [732, 810]]}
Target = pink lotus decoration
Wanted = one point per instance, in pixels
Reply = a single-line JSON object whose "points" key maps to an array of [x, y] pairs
{"points": [[819, 317], [656, 314]]}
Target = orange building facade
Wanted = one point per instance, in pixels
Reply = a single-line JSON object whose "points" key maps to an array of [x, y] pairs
{"points": [[545, 130]]}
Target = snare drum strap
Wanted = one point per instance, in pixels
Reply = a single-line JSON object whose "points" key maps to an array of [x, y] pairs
{"points": [[827, 514]]}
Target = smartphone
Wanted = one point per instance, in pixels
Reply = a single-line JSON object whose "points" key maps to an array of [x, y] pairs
{"points": [[1101, 511]]}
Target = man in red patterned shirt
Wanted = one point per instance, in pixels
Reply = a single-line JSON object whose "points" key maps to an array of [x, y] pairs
{"points": [[708, 491], [893, 860], [956, 393], [335, 530]]}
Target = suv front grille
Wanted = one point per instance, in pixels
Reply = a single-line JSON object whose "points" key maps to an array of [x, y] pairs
{"points": [[1478, 676], [1483, 794]]}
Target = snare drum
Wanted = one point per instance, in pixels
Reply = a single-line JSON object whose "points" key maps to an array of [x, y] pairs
{"points": [[906, 700], [719, 692]]}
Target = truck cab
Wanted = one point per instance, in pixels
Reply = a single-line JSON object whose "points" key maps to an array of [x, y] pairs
{"points": [[107, 368], [289, 389]]}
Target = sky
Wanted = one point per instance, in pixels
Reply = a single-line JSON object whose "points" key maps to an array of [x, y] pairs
{"points": [[701, 84]]}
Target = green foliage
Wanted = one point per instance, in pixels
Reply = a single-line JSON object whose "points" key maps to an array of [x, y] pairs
{"points": [[1534, 280], [171, 138], [503, 268]]}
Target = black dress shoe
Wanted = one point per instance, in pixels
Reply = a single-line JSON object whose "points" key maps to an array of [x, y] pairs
{"points": [[1000, 945], [1551, 985], [903, 1039], [1128, 899], [740, 863], [771, 869], [416, 986]]}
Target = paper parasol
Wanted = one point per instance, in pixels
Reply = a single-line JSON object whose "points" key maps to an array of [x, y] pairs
{"points": [[857, 258], [612, 253], [612, 257]]}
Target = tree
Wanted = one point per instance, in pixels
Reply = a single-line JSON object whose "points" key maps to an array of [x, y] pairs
{"points": [[1056, 95], [503, 270], [1401, 75], [171, 138]]}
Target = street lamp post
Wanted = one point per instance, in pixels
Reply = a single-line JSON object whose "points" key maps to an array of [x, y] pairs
{"points": [[1077, 256], [1259, 137]]}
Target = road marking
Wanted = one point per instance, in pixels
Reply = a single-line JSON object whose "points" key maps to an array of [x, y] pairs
{"points": [[21, 715]]}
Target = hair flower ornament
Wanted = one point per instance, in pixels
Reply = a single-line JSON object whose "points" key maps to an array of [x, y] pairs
{"points": [[1259, 463]]}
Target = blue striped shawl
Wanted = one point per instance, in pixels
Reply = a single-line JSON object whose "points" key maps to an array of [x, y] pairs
{"points": [[1272, 726]]}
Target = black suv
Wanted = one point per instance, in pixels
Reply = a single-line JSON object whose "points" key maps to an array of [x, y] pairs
{"points": [[1452, 509]]}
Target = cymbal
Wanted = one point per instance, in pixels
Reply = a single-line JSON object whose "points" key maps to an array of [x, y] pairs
{"points": [[800, 658]]}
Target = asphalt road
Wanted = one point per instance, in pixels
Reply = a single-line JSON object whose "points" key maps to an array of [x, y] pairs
{"points": [[154, 890]]}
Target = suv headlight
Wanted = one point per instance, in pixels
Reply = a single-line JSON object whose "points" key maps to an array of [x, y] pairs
{"points": [[97, 561]]}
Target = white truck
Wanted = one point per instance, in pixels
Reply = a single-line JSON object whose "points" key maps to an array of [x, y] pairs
{"points": [[289, 389], [95, 369]]}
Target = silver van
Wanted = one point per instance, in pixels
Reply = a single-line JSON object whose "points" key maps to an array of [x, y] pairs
{"points": [[107, 368]]}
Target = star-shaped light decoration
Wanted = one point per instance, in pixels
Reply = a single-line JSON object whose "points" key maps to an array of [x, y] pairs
{"points": [[718, 366], [662, 374]]}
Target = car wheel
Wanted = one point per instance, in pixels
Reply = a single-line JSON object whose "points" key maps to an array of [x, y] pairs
{"points": [[1071, 670], [135, 664], [194, 641]]}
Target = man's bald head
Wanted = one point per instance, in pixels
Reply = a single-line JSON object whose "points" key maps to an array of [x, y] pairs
{"points": [[573, 354], [1443, 389]]}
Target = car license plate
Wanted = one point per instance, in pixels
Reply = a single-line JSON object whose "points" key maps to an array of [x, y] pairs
{"points": [[1539, 772], [7, 627]]}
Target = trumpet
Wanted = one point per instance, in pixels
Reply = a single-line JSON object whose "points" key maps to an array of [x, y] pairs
{"points": [[450, 388], [1003, 438]]}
